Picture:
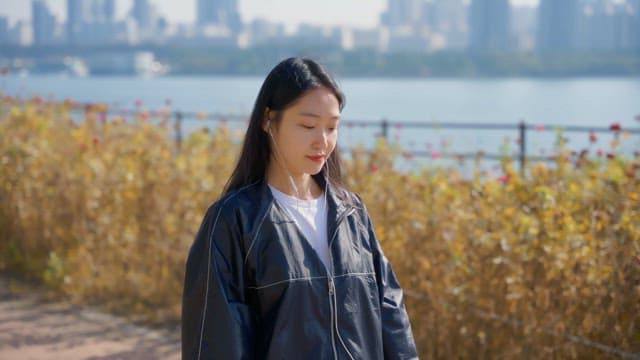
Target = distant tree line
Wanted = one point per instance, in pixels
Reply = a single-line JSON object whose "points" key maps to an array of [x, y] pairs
{"points": [[200, 60]]}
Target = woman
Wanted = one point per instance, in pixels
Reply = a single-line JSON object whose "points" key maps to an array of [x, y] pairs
{"points": [[286, 264]]}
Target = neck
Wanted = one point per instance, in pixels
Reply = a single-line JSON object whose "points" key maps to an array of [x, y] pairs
{"points": [[307, 188]]}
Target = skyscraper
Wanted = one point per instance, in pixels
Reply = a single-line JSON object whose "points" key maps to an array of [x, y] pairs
{"points": [[490, 22], [109, 10], [556, 25], [78, 16], [4, 30], [141, 12], [44, 23], [219, 12], [403, 13], [449, 18]]}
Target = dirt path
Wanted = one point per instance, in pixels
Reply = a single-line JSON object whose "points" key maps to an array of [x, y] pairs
{"points": [[31, 328]]}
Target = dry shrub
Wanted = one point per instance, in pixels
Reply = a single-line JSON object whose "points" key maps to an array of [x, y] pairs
{"points": [[104, 209]]}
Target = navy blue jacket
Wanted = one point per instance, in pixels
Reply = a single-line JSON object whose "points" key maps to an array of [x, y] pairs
{"points": [[255, 289]]}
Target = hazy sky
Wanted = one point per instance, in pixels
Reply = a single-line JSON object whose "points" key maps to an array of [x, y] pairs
{"points": [[362, 13]]}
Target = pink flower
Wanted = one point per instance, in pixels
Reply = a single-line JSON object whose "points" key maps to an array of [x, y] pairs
{"points": [[540, 127], [374, 169]]}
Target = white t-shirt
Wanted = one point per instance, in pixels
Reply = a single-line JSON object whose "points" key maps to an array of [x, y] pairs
{"points": [[311, 218]]}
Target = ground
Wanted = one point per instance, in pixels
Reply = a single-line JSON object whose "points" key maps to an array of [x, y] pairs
{"points": [[32, 327]]}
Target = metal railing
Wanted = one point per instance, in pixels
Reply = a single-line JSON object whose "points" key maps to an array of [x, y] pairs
{"points": [[521, 128]]}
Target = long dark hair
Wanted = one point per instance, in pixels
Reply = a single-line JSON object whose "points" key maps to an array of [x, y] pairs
{"points": [[286, 83]]}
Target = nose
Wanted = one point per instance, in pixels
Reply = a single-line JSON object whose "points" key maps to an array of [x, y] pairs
{"points": [[322, 138]]}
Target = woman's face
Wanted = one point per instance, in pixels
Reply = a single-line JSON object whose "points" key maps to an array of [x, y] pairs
{"points": [[307, 133]]}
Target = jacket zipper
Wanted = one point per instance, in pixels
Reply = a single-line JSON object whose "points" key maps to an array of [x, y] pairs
{"points": [[331, 306], [332, 290]]}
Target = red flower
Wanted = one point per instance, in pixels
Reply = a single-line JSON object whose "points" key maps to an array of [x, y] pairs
{"points": [[615, 127], [504, 178], [96, 141], [593, 137], [374, 169], [144, 116], [408, 155]]}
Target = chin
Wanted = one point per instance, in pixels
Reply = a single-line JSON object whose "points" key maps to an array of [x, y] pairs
{"points": [[316, 170]]}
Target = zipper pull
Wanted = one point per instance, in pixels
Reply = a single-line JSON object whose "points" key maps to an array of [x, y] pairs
{"points": [[331, 287]]}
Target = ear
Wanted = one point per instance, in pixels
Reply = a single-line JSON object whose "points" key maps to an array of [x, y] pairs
{"points": [[266, 121]]}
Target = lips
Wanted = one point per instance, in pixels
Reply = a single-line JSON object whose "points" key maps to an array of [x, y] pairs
{"points": [[316, 158]]}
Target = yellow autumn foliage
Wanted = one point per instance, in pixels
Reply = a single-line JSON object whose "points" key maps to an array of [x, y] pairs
{"points": [[105, 208]]}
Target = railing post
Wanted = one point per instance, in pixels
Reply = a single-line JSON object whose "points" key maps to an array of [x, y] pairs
{"points": [[178, 129], [523, 146], [385, 129]]}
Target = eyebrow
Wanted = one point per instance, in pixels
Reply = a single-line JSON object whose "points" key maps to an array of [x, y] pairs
{"points": [[313, 115]]}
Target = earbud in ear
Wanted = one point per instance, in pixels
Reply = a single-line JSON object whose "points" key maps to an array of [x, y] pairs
{"points": [[269, 127]]}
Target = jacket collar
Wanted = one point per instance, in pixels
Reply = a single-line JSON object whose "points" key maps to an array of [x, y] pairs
{"points": [[337, 206]]}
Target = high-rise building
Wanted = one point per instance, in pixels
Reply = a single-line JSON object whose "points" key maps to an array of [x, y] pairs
{"points": [[141, 12], [557, 25], [449, 19], [21, 34], [220, 13], [4, 30], [403, 13], [109, 10], [523, 26], [490, 23], [607, 25], [78, 16], [43, 22]]}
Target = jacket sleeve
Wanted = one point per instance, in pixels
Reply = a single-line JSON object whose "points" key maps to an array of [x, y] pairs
{"points": [[217, 321], [398, 342]]}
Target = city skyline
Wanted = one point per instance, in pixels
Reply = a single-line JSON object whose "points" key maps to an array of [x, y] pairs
{"points": [[290, 12]]}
